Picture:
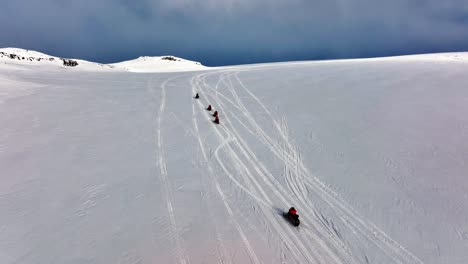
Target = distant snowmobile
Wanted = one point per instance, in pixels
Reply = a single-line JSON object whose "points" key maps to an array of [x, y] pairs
{"points": [[215, 114], [196, 96], [216, 120], [208, 108], [292, 216]]}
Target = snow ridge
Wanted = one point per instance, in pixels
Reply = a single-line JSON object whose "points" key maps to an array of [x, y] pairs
{"points": [[159, 64], [141, 64]]}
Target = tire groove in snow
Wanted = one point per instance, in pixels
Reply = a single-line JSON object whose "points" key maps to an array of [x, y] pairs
{"points": [[306, 254], [371, 234], [252, 255], [252, 157], [395, 250], [267, 176], [221, 248], [180, 252]]}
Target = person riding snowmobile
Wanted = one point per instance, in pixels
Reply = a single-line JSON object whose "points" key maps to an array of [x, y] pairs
{"points": [[292, 211], [292, 216]]}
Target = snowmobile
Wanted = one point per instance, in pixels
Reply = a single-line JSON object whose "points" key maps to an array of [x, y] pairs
{"points": [[292, 217]]}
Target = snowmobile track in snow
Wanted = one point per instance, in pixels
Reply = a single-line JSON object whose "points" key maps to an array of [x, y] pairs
{"points": [[180, 251], [301, 254], [320, 241], [246, 242]]}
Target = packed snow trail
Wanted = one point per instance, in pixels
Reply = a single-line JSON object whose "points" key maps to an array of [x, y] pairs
{"points": [[181, 255], [394, 251], [115, 167]]}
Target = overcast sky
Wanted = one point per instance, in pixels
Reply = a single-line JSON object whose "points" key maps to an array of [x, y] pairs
{"points": [[221, 32]]}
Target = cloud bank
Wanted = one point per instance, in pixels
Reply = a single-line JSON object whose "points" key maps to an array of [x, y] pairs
{"points": [[219, 32]]}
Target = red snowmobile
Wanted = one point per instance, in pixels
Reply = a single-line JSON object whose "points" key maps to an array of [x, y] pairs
{"points": [[292, 216]]}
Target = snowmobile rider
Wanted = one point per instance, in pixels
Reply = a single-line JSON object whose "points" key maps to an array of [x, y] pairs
{"points": [[292, 211]]}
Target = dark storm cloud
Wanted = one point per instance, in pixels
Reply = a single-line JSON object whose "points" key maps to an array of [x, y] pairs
{"points": [[234, 31]]}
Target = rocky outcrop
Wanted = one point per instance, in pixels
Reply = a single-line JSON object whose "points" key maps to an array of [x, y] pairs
{"points": [[13, 56]]}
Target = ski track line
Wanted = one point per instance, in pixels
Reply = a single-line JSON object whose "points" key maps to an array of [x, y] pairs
{"points": [[259, 130], [220, 247], [274, 184], [262, 171], [237, 183], [151, 92], [279, 230], [296, 168], [242, 146], [346, 221], [240, 185], [252, 255], [180, 252], [243, 167], [397, 249], [357, 229], [218, 188], [294, 159], [296, 184], [274, 181], [296, 252], [266, 140]]}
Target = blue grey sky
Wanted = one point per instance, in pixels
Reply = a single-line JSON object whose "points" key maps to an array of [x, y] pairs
{"points": [[224, 32]]}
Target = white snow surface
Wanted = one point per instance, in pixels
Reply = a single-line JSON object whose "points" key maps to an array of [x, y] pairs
{"points": [[121, 167]]}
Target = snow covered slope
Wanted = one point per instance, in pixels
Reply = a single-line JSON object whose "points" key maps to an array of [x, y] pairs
{"points": [[22, 57], [122, 167], [159, 64]]}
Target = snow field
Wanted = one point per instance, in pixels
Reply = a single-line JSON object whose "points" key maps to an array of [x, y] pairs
{"points": [[121, 167]]}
